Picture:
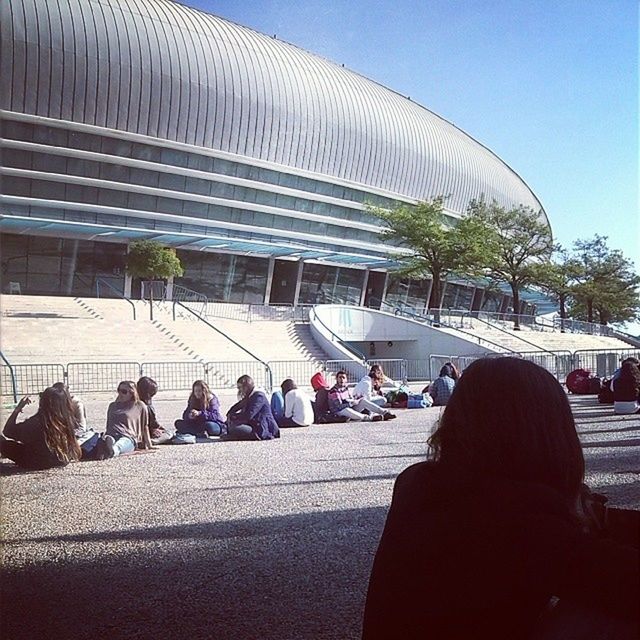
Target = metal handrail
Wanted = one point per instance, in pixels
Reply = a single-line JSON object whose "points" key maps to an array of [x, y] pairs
{"points": [[354, 350], [181, 292], [13, 377], [222, 333], [121, 295]]}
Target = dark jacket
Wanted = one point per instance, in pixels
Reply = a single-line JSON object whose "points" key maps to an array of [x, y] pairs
{"points": [[464, 558], [256, 412], [211, 413]]}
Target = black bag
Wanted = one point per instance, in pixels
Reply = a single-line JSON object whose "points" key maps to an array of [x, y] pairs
{"points": [[606, 393], [595, 386]]}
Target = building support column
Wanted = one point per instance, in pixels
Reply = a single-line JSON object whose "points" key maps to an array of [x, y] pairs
{"points": [[298, 282], [365, 283], [267, 291]]}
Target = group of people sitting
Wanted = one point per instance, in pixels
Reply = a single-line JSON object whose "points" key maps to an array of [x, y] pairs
{"points": [[58, 433]]}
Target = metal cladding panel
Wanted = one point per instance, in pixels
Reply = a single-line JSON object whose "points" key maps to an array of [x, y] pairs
{"points": [[161, 69]]}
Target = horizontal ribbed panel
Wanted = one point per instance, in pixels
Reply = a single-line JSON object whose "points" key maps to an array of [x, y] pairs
{"points": [[164, 70]]}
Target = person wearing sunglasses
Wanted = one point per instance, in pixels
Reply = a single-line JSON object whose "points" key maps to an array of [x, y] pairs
{"points": [[127, 423]]}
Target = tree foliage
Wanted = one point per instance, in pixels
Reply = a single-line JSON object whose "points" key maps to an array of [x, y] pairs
{"points": [[557, 276], [606, 287], [520, 242], [150, 260], [439, 246]]}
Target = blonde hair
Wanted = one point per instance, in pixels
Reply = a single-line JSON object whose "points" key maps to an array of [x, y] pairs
{"points": [[134, 389]]}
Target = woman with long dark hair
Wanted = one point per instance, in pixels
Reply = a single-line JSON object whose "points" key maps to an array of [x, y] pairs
{"points": [[147, 389], [202, 416], [626, 388], [46, 439], [497, 523]]}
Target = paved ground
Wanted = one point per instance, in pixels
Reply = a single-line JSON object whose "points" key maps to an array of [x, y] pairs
{"points": [[231, 540]]}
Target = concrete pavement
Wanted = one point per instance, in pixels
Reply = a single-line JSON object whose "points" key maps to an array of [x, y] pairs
{"points": [[231, 540]]}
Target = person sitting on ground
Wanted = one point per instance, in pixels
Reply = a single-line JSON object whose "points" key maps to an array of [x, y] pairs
{"points": [[147, 389], [369, 386], [442, 387], [46, 439], [626, 389], [298, 411], [618, 371], [250, 418], [87, 438], [127, 423], [342, 403], [482, 537], [202, 417]]}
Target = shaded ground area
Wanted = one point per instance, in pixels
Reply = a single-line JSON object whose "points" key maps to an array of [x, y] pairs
{"points": [[231, 540]]}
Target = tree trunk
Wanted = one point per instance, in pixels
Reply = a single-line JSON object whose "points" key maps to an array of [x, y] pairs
{"points": [[516, 306], [434, 298], [589, 310], [563, 311]]}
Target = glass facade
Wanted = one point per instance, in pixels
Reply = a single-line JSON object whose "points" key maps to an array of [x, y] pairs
{"points": [[224, 277], [457, 296], [327, 284], [406, 291], [55, 266]]}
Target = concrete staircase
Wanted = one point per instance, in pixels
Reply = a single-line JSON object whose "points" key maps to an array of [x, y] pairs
{"points": [[59, 330], [528, 340], [53, 329]]}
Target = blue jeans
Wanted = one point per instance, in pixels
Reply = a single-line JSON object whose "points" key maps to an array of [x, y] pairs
{"points": [[123, 445], [199, 428]]}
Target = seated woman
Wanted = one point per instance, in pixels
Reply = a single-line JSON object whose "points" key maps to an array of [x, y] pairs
{"points": [[46, 439], [483, 536], [127, 423], [87, 438], [250, 418], [369, 386], [147, 389], [298, 411], [202, 416], [442, 387], [626, 388]]}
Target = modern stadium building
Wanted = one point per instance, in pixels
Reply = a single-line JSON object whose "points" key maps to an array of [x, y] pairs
{"points": [[256, 160]]}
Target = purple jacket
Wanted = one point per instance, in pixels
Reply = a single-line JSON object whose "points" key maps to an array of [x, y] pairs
{"points": [[210, 414]]}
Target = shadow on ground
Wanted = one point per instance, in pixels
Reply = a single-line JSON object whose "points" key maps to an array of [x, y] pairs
{"points": [[308, 576]]}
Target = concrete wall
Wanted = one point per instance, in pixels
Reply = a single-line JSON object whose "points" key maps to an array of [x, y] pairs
{"points": [[392, 336]]}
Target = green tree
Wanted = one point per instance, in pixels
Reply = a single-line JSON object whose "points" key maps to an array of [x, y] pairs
{"points": [[522, 241], [440, 246], [149, 260], [556, 278], [606, 285]]}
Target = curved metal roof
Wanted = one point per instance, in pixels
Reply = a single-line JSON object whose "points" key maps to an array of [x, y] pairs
{"points": [[161, 69]]}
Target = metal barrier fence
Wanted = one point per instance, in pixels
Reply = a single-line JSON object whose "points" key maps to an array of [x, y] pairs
{"points": [[394, 368], [299, 370], [224, 375], [98, 377], [174, 376], [418, 370], [84, 377], [354, 369], [29, 378], [602, 363]]}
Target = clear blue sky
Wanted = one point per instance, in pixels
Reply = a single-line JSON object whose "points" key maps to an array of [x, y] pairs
{"points": [[551, 86]]}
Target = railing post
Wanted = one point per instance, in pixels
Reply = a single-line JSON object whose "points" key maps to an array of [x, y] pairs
{"points": [[13, 377]]}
